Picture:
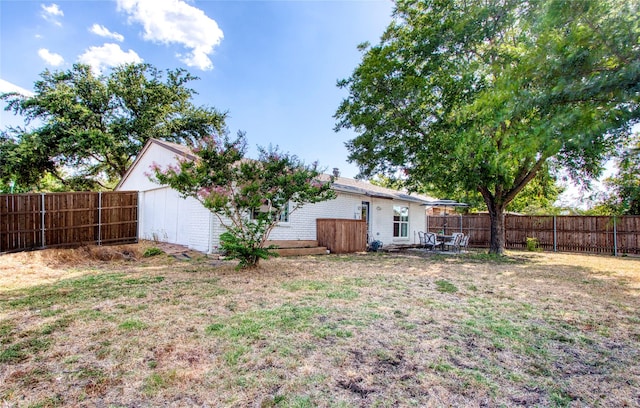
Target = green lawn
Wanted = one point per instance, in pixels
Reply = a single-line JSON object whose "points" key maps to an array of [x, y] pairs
{"points": [[382, 330]]}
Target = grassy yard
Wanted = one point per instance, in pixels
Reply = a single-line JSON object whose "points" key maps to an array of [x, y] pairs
{"points": [[534, 329]]}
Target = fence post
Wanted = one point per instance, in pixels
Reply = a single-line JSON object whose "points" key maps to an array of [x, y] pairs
{"points": [[615, 237], [555, 234], [99, 218], [139, 224], [42, 220]]}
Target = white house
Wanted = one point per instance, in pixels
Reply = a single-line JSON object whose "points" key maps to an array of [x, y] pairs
{"points": [[393, 217]]}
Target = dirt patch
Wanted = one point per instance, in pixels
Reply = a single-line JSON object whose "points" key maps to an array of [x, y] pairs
{"points": [[24, 269]]}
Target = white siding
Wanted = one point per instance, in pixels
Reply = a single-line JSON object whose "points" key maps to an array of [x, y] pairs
{"points": [[159, 220], [216, 230], [302, 222], [417, 221], [166, 217], [382, 221], [136, 179]]}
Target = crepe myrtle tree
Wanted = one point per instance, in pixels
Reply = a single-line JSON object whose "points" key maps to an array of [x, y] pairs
{"points": [[248, 196]]}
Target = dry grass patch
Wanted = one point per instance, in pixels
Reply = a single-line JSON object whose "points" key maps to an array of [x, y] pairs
{"points": [[24, 269], [359, 330]]}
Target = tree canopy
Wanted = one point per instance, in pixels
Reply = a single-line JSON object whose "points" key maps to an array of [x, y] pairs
{"points": [[88, 128], [249, 197], [483, 95], [623, 189]]}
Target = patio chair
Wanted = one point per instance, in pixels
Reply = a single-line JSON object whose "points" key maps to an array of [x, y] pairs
{"points": [[454, 242], [464, 243], [421, 239], [431, 241]]}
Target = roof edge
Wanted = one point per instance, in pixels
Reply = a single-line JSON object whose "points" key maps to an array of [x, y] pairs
{"points": [[360, 188], [147, 145], [133, 165]]}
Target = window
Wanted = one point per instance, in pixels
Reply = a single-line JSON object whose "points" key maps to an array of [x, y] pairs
{"points": [[284, 215], [400, 222]]}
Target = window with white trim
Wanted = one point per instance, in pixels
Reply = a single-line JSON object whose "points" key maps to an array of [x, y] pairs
{"points": [[284, 215], [400, 221]]}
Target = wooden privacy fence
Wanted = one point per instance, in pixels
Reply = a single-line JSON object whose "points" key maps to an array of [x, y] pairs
{"points": [[342, 236], [31, 221], [571, 233]]}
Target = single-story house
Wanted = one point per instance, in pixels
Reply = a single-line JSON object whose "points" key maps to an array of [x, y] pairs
{"points": [[393, 217]]}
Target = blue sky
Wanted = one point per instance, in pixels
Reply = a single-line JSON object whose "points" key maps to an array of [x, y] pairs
{"points": [[273, 65]]}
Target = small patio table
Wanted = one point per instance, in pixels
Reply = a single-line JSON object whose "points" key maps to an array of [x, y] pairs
{"points": [[443, 239]]}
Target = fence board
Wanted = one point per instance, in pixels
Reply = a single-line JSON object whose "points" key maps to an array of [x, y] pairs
{"points": [[342, 236], [30, 221], [117, 211], [589, 234], [628, 234], [20, 222]]}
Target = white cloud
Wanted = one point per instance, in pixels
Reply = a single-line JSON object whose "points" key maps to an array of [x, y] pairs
{"points": [[176, 22], [50, 58], [7, 87], [109, 55], [50, 13], [53, 10], [103, 31]]}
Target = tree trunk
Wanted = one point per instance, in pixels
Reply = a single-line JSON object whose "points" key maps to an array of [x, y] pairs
{"points": [[496, 214]]}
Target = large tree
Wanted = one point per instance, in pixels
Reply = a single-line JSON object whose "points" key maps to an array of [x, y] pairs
{"points": [[88, 128], [481, 95]]}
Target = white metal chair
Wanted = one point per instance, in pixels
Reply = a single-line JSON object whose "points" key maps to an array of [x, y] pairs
{"points": [[454, 242], [464, 243], [421, 239]]}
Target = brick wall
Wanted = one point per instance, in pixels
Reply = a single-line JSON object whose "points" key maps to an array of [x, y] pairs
{"points": [[199, 219]]}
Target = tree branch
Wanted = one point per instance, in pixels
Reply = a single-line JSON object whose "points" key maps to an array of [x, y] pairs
{"points": [[511, 194], [605, 40]]}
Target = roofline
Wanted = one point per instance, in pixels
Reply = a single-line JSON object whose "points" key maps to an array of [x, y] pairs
{"points": [[173, 149], [133, 165], [364, 192], [144, 149], [361, 190]]}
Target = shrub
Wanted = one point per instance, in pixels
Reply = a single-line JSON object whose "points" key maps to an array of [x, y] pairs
{"points": [[153, 251], [247, 250], [533, 244]]}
